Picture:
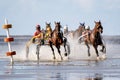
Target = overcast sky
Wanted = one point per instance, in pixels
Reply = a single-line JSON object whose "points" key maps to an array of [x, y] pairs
{"points": [[25, 14]]}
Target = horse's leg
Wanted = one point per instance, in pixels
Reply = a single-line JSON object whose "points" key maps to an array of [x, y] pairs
{"points": [[88, 48], [95, 47], [103, 48], [58, 48], [64, 42], [104, 51], [67, 46], [52, 50], [37, 51]]}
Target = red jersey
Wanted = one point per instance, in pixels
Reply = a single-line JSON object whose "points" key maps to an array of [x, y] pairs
{"points": [[37, 32]]}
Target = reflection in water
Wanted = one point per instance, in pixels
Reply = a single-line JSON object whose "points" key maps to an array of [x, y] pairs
{"points": [[59, 76], [97, 77], [94, 79], [9, 70], [75, 76]]}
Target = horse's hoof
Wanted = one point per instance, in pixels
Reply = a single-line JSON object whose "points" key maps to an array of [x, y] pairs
{"points": [[66, 54], [98, 58], [103, 56], [61, 59], [89, 55], [89, 58], [54, 58]]}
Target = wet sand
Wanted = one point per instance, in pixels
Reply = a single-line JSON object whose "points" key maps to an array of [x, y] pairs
{"points": [[67, 70]]}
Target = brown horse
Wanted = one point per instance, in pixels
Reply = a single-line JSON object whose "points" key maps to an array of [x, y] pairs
{"points": [[57, 39], [95, 39], [78, 32]]}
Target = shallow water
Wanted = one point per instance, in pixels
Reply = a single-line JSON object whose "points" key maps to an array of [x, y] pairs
{"points": [[78, 67], [68, 70]]}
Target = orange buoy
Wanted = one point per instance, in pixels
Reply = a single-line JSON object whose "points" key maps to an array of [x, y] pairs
{"points": [[7, 26], [10, 39], [11, 53]]}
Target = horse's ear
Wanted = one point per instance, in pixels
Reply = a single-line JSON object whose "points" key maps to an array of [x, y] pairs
{"points": [[55, 22], [80, 24], [45, 22], [59, 22], [99, 21], [94, 21]]}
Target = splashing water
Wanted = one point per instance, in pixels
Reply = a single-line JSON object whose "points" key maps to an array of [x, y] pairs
{"points": [[77, 52]]}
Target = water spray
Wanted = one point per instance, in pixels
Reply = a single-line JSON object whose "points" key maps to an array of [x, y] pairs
{"points": [[9, 39]]}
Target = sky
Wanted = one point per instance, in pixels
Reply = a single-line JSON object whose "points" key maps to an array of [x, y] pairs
{"points": [[24, 15]]}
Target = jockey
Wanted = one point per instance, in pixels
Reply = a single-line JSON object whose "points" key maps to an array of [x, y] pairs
{"points": [[65, 29], [86, 33], [38, 33]]}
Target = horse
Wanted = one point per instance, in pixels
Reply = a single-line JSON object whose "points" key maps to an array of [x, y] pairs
{"points": [[48, 31], [46, 40], [57, 39], [78, 32], [95, 39]]}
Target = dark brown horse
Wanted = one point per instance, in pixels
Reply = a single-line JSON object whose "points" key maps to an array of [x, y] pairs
{"points": [[78, 32], [57, 39], [95, 39]]}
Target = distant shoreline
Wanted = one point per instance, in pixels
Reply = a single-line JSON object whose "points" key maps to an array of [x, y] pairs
{"points": [[32, 35]]}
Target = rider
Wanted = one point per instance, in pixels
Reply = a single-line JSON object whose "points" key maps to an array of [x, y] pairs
{"points": [[65, 29], [38, 34], [86, 33]]}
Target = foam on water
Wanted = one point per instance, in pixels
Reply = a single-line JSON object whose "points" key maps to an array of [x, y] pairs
{"points": [[45, 53]]}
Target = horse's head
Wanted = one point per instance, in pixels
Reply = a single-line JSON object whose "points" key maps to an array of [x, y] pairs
{"points": [[57, 26], [48, 26], [98, 26]]}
